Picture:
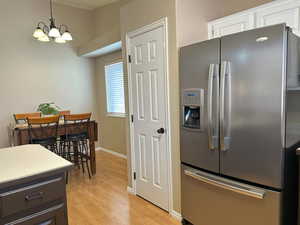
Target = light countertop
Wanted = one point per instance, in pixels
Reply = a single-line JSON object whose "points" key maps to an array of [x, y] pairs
{"points": [[28, 160]]}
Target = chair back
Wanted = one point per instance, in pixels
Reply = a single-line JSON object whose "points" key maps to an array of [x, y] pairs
{"points": [[63, 113], [22, 117], [42, 128], [78, 124]]}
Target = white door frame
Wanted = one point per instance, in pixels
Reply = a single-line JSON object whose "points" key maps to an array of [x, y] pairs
{"points": [[160, 23]]}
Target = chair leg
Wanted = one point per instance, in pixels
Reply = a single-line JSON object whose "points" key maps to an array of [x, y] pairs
{"points": [[82, 163], [62, 149], [56, 149], [85, 152], [67, 177], [81, 155], [88, 168], [75, 145], [69, 151]]}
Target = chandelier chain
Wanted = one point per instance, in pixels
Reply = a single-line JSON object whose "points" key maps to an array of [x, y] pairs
{"points": [[51, 9]]}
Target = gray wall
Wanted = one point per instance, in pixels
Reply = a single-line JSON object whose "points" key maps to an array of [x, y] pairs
{"points": [[33, 72], [113, 129]]}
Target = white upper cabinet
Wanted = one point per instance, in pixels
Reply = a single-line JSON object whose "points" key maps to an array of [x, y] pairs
{"points": [[231, 24], [280, 11]]}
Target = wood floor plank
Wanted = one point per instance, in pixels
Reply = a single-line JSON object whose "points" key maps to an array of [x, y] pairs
{"points": [[104, 199]]}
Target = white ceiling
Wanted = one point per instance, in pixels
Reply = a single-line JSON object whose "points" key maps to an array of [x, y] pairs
{"points": [[86, 4]]}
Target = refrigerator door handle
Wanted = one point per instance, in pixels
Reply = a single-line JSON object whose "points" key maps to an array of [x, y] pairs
{"points": [[225, 105], [221, 183], [213, 131]]}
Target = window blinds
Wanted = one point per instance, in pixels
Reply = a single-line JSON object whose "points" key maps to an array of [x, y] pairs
{"points": [[115, 88]]}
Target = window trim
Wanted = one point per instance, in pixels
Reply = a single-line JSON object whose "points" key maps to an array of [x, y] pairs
{"points": [[120, 115], [114, 114]]}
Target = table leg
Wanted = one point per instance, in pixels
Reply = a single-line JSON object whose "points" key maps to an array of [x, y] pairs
{"points": [[93, 157], [20, 138]]}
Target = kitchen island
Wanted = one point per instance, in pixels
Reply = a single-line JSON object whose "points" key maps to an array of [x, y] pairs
{"points": [[32, 186]]}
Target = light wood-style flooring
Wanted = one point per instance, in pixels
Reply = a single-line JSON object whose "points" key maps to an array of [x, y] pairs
{"points": [[104, 199]]}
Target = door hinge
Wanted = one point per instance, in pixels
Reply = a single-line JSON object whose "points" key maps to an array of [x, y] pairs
{"points": [[131, 118], [134, 175], [129, 58]]}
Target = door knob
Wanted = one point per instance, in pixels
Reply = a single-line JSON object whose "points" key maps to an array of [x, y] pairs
{"points": [[161, 131]]}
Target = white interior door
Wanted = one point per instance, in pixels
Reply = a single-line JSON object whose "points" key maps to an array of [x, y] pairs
{"points": [[149, 101]]}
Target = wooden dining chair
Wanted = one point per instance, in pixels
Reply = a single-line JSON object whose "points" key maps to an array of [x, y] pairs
{"points": [[63, 113], [76, 141], [61, 138], [43, 131], [22, 117]]}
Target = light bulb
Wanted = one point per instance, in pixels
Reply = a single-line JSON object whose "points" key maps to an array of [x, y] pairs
{"points": [[67, 36], [60, 40], [44, 38], [38, 33], [54, 32]]}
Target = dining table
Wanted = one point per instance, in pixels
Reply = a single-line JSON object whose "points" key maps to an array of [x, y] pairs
{"points": [[21, 137]]}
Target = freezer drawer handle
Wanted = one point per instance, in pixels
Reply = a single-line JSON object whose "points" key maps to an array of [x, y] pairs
{"points": [[259, 194]]}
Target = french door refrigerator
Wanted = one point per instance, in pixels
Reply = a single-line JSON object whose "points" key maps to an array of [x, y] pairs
{"points": [[239, 115]]}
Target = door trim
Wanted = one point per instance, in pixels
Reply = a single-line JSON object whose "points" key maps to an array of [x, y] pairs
{"points": [[160, 23]]}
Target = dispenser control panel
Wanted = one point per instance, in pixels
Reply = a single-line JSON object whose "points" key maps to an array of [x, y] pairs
{"points": [[193, 103], [192, 97]]}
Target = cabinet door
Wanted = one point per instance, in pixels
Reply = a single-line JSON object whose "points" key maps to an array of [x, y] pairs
{"points": [[230, 25], [281, 12], [56, 215]]}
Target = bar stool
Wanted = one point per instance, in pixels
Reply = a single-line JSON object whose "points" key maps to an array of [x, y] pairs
{"points": [[43, 131], [76, 141], [62, 137]]}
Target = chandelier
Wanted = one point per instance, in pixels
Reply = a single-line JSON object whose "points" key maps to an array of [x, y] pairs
{"points": [[46, 33]]}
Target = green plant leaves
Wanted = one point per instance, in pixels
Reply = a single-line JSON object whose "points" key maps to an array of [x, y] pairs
{"points": [[48, 108]]}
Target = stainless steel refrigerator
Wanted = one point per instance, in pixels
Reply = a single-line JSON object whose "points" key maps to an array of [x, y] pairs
{"points": [[240, 120]]}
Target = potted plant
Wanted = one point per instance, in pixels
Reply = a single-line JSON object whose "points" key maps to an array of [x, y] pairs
{"points": [[48, 109]]}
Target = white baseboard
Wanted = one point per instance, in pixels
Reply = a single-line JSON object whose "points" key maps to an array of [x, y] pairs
{"points": [[130, 190], [176, 215], [111, 152], [173, 213]]}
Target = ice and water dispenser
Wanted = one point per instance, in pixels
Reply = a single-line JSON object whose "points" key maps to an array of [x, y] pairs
{"points": [[193, 109]]}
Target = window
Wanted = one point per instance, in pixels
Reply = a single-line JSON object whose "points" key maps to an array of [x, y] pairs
{"points": [[115, 100]]}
